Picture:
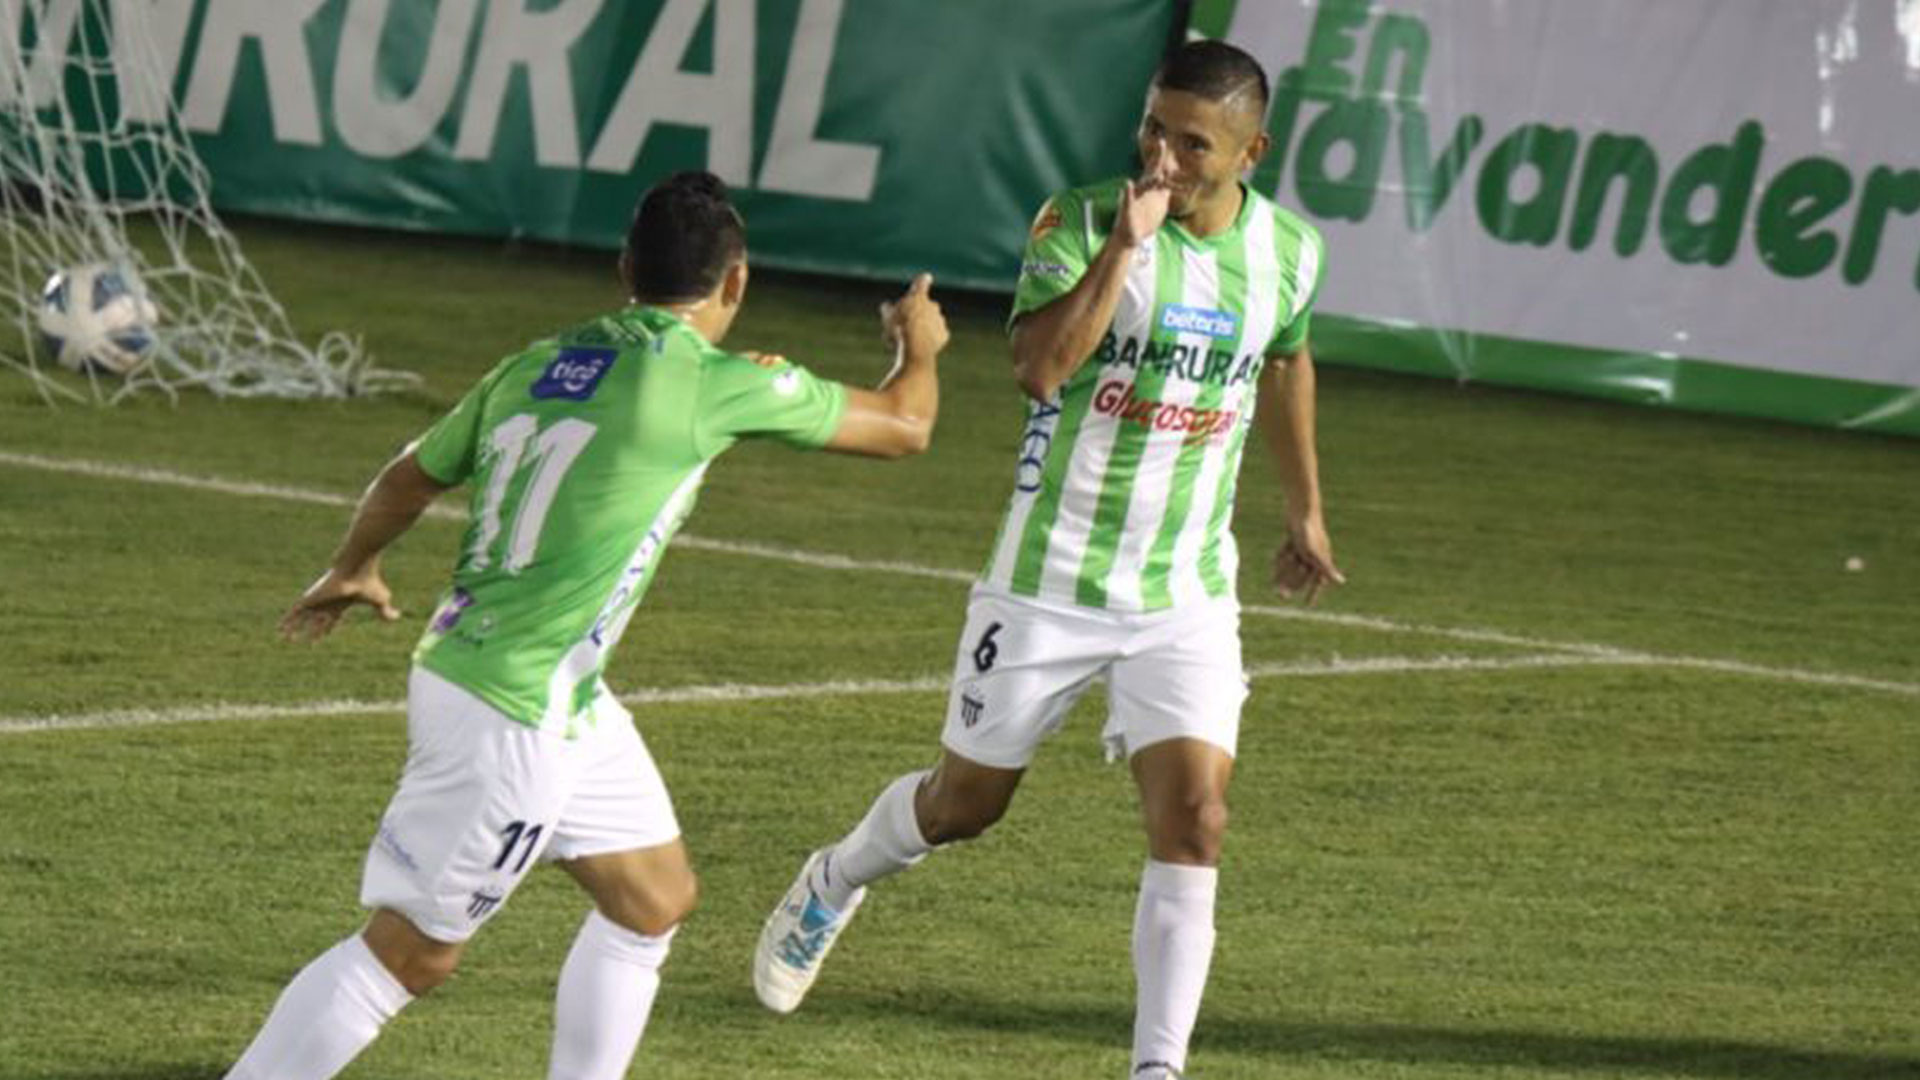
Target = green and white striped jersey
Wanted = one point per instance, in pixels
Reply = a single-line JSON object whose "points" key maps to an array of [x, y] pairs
{"points": [[1123, 495], [584, 454]]}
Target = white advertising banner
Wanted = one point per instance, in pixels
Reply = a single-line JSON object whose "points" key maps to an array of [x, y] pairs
{"points": [[1735, 182]]}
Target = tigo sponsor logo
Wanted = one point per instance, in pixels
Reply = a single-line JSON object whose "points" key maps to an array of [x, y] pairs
{"points": [[574, 374]]}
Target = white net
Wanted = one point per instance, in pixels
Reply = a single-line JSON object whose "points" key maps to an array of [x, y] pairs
{"points": [[95, 167]]}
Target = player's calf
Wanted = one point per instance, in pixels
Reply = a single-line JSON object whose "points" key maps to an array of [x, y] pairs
{"points": [[961, 799]]}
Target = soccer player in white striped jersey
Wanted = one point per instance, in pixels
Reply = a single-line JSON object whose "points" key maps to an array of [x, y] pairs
{"points": [[1147, 314]]}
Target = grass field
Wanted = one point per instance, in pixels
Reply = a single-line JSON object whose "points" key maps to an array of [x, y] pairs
{"points": [[1603, 765]]}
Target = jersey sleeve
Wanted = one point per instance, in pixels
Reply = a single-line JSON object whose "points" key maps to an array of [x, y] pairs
{"points": [[1309, 268], [450, 447], [1057, 254], [769, 397]]}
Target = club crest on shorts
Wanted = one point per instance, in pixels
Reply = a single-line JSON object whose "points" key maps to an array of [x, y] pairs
{"points": [[972, 704], [483, 903]]}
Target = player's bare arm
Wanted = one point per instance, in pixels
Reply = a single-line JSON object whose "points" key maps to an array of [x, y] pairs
{"points": [[1051, 342], [896, 418], [1304, 564], [392, 503]]}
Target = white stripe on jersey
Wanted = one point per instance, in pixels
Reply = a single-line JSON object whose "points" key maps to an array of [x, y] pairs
{"points": [[1042, 422], [1153, 477], [1261, 322], [1034, 446], [1068, 540], [617, 610], [1306, 273]]}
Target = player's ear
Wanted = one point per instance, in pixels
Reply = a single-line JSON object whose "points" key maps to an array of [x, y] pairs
{"points": [[733, 287], [626, 271], [1256, 149]]}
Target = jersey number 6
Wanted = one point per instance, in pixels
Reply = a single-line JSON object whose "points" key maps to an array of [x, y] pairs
{"points": [[985, 653]]}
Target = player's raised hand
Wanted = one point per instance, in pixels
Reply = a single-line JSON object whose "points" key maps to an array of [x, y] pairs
{"points": [[327, 600], [1143, 206], [915, 321], [1304, 564]]}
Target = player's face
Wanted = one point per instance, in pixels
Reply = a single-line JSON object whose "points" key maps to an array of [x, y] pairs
{"points": [[1202, 147]]}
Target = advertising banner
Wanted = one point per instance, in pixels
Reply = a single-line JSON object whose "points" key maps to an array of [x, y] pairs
{"points": [[1708, 203], [865, 137]]}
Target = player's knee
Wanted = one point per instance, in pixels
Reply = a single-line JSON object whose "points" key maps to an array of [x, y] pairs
{"points": [[421, 968], [657, 907], [415, 961], [1193, 832], [429, 969], [672, 907]]}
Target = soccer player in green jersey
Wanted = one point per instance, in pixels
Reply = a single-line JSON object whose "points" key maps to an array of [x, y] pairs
{"points": [[583, 453], [1148, 312]]}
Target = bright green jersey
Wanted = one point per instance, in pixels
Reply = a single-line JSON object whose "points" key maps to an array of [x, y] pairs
{"points": [[1123, 495], [584, 454]]}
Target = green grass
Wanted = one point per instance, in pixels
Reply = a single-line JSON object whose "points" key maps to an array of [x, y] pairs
{"points": [[1633, 871]]}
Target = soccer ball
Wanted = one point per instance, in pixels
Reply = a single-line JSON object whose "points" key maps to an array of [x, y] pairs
{"points": [[98, 319]]}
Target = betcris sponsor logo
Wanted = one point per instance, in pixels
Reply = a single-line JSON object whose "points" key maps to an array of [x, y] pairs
{"points": [[1192, 320], [575, 373]]}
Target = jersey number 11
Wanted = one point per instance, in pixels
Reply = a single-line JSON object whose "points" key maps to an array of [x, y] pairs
{"points": [[553, 453]]}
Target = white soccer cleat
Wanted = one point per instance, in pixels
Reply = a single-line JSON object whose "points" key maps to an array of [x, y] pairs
{"points": [[796, 940]]}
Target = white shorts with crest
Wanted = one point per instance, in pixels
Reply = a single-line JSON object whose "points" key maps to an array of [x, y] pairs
{"points": [[483, 800], [1022, 664]]}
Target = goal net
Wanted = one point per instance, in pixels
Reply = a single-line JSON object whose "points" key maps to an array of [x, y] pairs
{"points": [[95, 167]]}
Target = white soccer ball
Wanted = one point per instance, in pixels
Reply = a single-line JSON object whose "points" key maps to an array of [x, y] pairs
{"points": [[98, 318]]}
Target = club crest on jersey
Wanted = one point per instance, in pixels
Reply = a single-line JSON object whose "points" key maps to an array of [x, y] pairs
{"points": [[1192, 320], [574, 374], [1046, 221]]}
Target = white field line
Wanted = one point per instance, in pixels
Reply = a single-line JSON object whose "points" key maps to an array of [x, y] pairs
{"points": [[200, 714], [1596, 652], [736, 692]]}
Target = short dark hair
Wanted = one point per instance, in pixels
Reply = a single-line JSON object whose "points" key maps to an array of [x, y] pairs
{"points": [[1213, 70], [685, 234]]}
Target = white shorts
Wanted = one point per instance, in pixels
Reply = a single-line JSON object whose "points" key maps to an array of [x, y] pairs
{"points": [[483, 799], [1022, 664]]}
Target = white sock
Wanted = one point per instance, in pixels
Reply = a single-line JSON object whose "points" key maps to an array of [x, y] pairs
{"points": [[325, 1016], [885, 842], [606, 992], [1172, 949]]}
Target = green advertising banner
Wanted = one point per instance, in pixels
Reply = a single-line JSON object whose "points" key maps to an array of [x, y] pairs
{"points": [[1711, 204], [866, 137]]}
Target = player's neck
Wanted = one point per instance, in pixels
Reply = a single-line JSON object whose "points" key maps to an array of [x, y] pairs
{"points": [[701, 316]]}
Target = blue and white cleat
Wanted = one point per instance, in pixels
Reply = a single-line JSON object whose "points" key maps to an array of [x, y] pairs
{"points": [[796, 940]]}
